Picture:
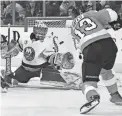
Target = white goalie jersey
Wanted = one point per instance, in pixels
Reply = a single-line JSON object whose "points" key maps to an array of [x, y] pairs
{"points": [[36, 52]]}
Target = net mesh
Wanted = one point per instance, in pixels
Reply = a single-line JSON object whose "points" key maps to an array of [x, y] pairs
{"points": [[50, 22]]}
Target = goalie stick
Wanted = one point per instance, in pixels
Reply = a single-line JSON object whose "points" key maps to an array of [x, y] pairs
{"points": [[8, 59]]}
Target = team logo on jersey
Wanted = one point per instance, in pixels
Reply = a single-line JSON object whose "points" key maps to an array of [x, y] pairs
{"points": [[29, 53]]}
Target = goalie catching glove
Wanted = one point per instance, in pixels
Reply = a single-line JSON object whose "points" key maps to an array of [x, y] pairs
{"points": [[11, 50], [65, 61]]}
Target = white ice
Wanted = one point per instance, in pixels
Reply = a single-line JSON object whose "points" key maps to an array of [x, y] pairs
{"points": [[32, 100]]}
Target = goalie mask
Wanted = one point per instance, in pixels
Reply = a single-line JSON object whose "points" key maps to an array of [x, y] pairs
{"points": [[40, 31]]}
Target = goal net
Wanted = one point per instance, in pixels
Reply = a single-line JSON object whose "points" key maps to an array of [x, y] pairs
{"points": [[50, 22]]}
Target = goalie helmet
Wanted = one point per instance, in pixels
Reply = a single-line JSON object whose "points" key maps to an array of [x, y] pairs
{"points": [[40, 30]]}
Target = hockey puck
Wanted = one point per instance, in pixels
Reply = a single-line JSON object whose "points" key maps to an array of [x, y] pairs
{"points": [[80, 57], [61, 42]]}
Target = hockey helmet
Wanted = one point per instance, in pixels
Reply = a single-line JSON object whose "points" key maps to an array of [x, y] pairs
{"points": [[40, 30]]}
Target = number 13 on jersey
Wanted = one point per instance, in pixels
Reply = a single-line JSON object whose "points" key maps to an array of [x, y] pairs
{"points": [[87, 25]]}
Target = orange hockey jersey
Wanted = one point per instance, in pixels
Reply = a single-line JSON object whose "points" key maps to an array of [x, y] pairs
{"points": [[91, 26]]}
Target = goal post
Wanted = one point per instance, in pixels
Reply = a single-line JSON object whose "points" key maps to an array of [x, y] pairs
{"points": [[51, 22]]}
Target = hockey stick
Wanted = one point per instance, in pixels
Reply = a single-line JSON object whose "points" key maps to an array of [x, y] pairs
{"points": [[8, 59]]}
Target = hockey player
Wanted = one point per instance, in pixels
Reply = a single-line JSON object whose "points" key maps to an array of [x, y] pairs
{"points": [[38, 53], [99, 54]]}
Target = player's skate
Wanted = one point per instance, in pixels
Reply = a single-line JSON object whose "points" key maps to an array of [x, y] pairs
{"points": [[116, 98], [4, 86], [95, 100]]}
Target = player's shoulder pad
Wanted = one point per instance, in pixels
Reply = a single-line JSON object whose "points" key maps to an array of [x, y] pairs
{"points": [[113, 15]]}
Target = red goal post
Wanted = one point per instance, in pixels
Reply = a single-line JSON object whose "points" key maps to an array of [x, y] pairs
{"points": [[51, 22]]}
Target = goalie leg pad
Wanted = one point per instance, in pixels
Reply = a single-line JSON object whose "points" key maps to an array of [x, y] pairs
{"points": [[22, 75], [49, 74]]}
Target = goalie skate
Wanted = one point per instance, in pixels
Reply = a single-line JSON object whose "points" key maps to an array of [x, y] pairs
{"points": [[95, 100], [10, 82], [4, 86], [4, 90]]}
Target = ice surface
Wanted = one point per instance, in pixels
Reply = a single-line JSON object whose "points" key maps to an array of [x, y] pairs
{"points": [[52, 102], [32, 100]]}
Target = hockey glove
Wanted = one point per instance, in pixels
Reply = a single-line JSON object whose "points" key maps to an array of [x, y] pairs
{"points": [[65, 61], [12, 49], [116, 25]]}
